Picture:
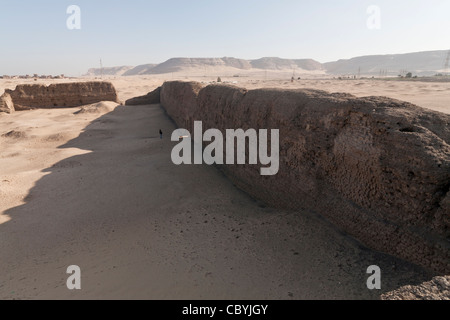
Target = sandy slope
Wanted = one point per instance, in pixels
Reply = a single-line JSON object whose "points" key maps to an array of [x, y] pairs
{"points": [[101, 192]]}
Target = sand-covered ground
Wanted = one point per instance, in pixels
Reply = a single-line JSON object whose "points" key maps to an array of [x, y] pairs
{"points": [[98, 190], [427, 94], [430, 95]]}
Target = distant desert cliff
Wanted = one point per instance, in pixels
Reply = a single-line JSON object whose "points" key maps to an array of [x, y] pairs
{"points": [[56, 95], [379, 169], [426, 63]]}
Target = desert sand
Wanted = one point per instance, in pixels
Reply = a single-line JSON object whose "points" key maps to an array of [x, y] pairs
{"points": [[426, 94], [430, 95], [97, 189]]}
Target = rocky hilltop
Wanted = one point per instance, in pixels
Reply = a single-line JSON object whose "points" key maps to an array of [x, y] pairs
{"points": [[57, 95], [377, 168]]}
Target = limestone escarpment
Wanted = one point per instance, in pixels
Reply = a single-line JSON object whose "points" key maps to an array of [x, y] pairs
{"points": [[61, 95], [377, 168]]}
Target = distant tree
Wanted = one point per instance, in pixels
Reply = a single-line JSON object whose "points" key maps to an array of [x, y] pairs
{"points": [[219, 79], [409, 75]]}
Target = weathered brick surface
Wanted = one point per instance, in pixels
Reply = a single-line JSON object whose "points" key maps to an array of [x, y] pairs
{"points": [[62, 95], [6, 104], [377, 168], [436, 289]]}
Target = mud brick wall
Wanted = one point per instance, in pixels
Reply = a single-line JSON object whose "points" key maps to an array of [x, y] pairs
{"points": [[377, 168], [62, 95]]}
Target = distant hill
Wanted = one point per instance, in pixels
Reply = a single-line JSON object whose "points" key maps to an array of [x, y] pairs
{"points": [[189, 64], [180, 64], [420, 63], [112, 71], [142, 69], [283, 64]]}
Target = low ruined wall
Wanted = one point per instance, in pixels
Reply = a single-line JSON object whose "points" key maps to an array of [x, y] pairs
{"points": [[61, 95], [150, 98], [6, 104], [377, 168]]}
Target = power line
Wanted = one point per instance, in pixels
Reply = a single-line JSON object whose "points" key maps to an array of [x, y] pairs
{"points": [[101, 68], [447, 63]]}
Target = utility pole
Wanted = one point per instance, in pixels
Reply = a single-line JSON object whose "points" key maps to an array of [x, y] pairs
{"points": [[447, 64], [101, 68]]}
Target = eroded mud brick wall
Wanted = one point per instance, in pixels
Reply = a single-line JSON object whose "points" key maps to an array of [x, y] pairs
{"points": [[377, 168], [62, 94]]}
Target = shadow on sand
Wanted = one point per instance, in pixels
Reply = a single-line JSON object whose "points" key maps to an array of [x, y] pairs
{"points": [[119, 200]]}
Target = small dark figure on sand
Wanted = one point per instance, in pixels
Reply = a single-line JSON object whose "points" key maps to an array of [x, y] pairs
{"points": [[160, 134]]}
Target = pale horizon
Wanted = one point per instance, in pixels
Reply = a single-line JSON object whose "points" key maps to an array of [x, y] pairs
{"points": [[143, 32]]}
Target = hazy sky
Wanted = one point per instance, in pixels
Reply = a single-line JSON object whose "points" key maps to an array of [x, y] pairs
{"points": [[35, 38]]}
